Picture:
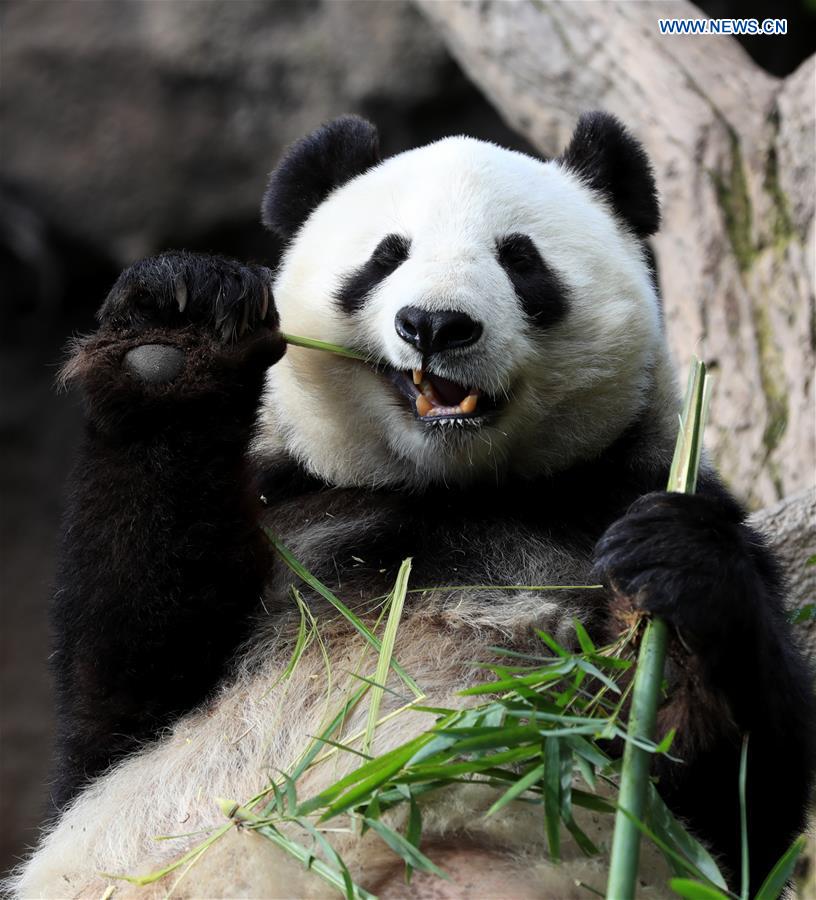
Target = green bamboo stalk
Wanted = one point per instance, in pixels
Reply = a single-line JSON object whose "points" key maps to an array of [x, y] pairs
{"points": [[313, 344], [623, 862]]}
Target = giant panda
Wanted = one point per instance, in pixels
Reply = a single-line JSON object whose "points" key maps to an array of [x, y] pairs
{"points": [[514, 426]]}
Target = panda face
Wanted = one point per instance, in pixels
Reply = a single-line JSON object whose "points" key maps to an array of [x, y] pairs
{"points": [[508, 313]]}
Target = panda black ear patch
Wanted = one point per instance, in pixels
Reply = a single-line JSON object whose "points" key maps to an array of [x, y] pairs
{"points": [[313, 167], [611, 162]]}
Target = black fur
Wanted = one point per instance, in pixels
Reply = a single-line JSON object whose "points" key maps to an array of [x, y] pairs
{"points": [[611, 162], [543, 295], [161, 559], [387, 257], [691, 560], [313, 167]]}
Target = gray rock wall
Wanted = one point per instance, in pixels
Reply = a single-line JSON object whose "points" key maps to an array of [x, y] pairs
{"points": [[131, 124]]}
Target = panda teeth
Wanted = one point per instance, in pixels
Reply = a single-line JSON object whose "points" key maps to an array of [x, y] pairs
{"points": [[428, 405], [423, 405]]}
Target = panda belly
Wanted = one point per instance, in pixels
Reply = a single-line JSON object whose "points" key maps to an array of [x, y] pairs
{"points": [[251, 732]]}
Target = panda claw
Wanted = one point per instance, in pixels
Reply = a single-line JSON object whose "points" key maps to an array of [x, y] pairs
{"points": [[264, 304], [244, 326], [181, 293]]}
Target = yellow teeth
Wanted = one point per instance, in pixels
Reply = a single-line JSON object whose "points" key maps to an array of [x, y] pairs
{"points": [[428, 404], [423, 405]]}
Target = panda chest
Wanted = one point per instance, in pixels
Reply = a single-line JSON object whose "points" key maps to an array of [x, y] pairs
{"points": [[486, 563]]}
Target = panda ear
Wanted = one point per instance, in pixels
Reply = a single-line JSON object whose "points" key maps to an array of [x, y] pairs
{"points": [[313, 167], [610, 161]]}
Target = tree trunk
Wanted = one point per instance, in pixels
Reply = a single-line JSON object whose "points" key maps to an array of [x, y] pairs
{"points": [[733, 149]]}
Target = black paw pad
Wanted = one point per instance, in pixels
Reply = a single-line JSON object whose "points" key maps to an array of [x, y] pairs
{"points": [[155, 363]]}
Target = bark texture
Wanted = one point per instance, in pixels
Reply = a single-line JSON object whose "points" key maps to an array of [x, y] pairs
{"points": [[733, 149]]}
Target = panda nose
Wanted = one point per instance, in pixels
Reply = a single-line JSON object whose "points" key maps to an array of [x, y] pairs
{"points": [[434, 332]]}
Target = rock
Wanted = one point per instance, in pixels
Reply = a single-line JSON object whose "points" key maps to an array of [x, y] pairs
{"points": [[790, 527], [136, 125]]}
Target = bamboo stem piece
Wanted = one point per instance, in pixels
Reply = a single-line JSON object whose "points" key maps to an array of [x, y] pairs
{"points": [[623, 862], [313, 344]]}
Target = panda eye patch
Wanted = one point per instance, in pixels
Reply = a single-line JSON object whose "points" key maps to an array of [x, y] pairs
{"points": [[355, 287], [542, 294]]}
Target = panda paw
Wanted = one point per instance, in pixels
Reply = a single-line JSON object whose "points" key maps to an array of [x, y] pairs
{"points": [[177, 330], [687, 559], [227, 299]]}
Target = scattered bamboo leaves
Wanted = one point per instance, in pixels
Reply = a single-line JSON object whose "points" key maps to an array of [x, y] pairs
{"points": [[303, 573], [530, 744]]}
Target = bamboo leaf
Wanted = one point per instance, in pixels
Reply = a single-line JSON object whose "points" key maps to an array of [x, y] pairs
{"points": [[386, 652], [592, 801], [583, 638], [379, 774], [552, 800], [677, 861], [595, 672], [694, 890], [413, 831], [341, 880], [332, 855], [774, 884], [663, 823], [665, 744], [412, 855], [533, 776], [551, 642]]}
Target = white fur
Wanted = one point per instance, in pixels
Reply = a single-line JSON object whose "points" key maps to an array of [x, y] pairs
{"points": [[573, 387]]}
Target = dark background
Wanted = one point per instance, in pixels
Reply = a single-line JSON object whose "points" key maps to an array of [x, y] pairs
{"points": [[132, 126]]}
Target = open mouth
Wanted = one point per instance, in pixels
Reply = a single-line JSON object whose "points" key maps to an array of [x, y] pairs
{"points": [[437, 400]]}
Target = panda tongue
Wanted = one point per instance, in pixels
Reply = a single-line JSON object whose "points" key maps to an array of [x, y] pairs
{"points": [[447, 392]]}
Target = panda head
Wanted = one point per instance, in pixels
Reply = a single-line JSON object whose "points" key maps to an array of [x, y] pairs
{"points": [[506, 304]]}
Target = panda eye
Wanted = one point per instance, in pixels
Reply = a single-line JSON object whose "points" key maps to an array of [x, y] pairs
{"points": [[355, 287], [543, 295], [517, 252], [392, 251]]}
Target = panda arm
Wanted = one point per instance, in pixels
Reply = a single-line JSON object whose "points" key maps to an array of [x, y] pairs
{"points": [[161, 558], [736, 670]]}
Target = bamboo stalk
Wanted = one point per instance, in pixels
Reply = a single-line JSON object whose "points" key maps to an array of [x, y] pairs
{"points": [[313, 344], [623, 862]]}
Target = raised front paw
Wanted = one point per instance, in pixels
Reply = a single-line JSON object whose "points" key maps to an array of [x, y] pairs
{"points": [[179, 332], [228, 298], [684, 558]]}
